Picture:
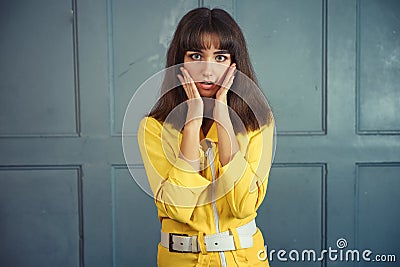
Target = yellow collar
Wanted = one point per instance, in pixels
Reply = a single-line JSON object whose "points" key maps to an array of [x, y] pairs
{"points": [[212, 133]]}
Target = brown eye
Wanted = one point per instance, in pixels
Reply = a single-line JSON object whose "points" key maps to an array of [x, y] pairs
{"points": [[195, 56], [221, 58]]}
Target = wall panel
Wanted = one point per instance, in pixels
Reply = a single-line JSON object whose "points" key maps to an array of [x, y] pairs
{"points": [[41, 220], [377, 202], [292, 215], [137, 48], [378, 99], [135, 221], [287, 47], [39, 94]]}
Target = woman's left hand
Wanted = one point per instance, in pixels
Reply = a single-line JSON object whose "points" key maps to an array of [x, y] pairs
{"points": [[227, 142], [226, 84]]}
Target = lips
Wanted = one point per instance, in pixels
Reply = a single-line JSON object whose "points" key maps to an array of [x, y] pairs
{"points": [[206, 85]]}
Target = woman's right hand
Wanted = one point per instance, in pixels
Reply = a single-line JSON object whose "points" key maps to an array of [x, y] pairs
{"points": [[194, 118], [195, 103]]}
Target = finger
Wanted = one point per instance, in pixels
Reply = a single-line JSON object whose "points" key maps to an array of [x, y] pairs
{"points": [[194, 89], [224, 80], [185, 77], [184, 85], [181, 79], [231, 70], [229, 80], [192, 85]]}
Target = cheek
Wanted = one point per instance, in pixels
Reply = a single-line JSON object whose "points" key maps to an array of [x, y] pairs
{"points": [[192, 68], [221, 70]]}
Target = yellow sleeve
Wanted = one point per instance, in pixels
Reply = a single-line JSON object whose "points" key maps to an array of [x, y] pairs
{"points": [[176, 186], [245, 177]]}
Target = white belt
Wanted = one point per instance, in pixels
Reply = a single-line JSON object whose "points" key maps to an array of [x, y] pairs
{"points": [[216, 242]]}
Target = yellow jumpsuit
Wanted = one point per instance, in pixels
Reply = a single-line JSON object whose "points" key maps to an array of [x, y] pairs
{"points": [[179, 191]]}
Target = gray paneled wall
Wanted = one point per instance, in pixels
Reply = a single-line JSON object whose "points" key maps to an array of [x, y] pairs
{"points": [[40, 219], [288, 48], [69, 68], [378, 60], [37, 69]]}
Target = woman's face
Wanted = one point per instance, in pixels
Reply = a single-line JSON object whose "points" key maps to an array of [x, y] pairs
{"points": [[207, 68]]}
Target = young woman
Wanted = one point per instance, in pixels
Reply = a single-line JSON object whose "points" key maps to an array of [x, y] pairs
{"points": [[207, 147]]}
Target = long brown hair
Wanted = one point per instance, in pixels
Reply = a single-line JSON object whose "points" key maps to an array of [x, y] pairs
{"points": [[193, 33]]}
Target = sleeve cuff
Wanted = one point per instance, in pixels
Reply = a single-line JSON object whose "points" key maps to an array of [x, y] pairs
{"points": [[232, 172], [184, 175]]}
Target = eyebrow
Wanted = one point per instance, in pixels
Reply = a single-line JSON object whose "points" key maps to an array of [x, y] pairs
{"points": [[219, 52]]}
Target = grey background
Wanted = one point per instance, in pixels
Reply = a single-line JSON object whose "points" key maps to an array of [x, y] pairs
{"points": [[330, 69]]}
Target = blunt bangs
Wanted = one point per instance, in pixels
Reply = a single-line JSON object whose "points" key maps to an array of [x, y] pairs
{"points": [[208, 31]]}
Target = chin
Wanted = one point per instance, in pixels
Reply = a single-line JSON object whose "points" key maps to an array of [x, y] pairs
{"points": [[208, 94]]}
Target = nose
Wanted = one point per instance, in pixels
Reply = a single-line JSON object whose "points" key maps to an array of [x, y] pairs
{"points": [[207, 69]]}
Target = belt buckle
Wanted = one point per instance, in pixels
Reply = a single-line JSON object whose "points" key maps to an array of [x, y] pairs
{"points": [[171, 242]]}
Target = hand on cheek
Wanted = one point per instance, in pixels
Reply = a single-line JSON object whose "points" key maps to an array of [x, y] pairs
{"points": [[195, 103], [226, 84]]}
